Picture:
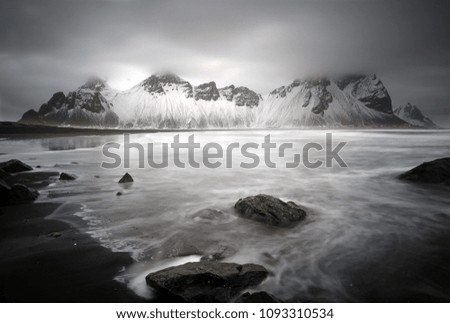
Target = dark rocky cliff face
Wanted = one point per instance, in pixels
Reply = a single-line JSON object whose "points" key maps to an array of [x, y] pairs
{"points": [[368, 89], [156, 83], [316, 91], [207, 92], [319, 86], [227, 92], [241, 95]]}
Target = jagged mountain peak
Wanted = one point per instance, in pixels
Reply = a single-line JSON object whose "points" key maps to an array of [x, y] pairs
{"points": [[413, 115], [343, 81], [310, 82], [86, 106], [167, 77], [241, 95], [207, 91], [158, 84], [95, 83]]}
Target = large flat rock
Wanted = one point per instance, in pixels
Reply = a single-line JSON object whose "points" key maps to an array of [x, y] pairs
{"points": [[206, 281]]}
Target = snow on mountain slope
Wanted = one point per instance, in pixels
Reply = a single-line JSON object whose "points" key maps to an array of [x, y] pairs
{"points": [[167, 101], [319, 103], [412, 114], [85, 107]]}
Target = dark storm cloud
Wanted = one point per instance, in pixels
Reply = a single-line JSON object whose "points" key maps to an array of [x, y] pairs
{"points": [[54, 45]]}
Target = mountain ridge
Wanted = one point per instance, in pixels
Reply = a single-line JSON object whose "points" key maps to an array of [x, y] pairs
{"points": [[167, 101]]}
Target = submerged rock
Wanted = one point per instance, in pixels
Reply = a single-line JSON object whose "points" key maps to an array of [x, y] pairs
{"points": [[209, 216], [54, 234], [257, 297], [14, 166], [126, 179], [187, 243], [219, 252], [433, 172], [206, 281], [270, 210], [66, 177], [178, 245]]}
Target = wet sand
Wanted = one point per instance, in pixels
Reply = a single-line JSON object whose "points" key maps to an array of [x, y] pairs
{"points": [[50, 261]]}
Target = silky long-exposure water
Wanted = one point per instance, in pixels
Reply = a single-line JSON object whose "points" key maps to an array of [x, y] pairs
{"points": [[368, 236]]}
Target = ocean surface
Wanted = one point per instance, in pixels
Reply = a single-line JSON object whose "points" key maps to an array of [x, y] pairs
{"points": [[368, 236]]}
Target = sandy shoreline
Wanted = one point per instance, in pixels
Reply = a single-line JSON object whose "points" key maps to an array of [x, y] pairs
{"points": [[51, 261]]}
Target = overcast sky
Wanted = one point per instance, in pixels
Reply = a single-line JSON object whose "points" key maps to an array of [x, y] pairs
{"points": [[54, 45]]}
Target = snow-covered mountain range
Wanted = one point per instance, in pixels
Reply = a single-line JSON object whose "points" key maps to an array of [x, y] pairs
{"points": [[166, 101]]}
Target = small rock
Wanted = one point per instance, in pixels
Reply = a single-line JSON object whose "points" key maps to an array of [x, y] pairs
{"points": [[66, 177], [14, 166], [433, 172], [96, 176], [206, 281], [270, 210], [54, 234], [118, 193], [126, 179], [38, 166], [257, 297]]}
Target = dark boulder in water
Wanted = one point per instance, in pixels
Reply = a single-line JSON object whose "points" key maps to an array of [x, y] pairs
{"points": [[34, 180], [16, 194], [257, 297], [126, 179], [14, 166], [4, 175], [433, 172], [4, 192], [206, 281], [270, 210], [66, 177]]}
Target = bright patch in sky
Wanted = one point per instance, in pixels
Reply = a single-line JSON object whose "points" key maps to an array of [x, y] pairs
{"points": [[124, 76]]}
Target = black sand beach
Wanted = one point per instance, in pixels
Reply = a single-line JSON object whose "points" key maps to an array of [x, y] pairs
{"points": [[50, 261]]}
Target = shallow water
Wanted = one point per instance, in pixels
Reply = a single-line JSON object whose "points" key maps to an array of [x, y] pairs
{"points": [[369, 236]]}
